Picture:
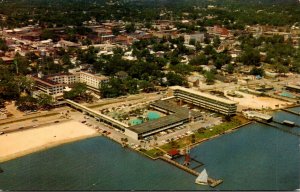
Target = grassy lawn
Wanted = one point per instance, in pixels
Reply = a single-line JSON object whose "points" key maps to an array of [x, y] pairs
{"points": [[153, 153], [205, 133]]}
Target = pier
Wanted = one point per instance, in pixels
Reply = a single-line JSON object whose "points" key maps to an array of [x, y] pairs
{"points": [[288, 130], [292, 112], [212, 182], [292, 124]]}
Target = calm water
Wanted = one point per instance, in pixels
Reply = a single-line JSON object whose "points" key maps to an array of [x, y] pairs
{"points": [[295, 109], [255, 157]]}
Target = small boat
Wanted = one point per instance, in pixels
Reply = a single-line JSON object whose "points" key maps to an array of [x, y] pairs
{"points": [[202, 179]]}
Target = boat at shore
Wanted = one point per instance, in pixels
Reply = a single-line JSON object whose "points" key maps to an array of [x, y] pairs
{"points": [[202, 179]]}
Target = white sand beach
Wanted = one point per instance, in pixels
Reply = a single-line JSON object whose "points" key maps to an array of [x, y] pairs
{"points": [[20, 143]]}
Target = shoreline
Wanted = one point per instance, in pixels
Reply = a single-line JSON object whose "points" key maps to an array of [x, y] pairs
{"points": [[44, 147], [218, 135], [20, 143]]}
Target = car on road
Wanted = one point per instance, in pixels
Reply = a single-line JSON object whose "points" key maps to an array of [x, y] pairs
{"points": [[56, 121]]}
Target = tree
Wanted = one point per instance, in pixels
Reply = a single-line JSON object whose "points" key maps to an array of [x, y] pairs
{"points": [[230, 68], [216, 42], [182, 69], [281, 68], [24, 84], [113, 88], [25, 103], [257, 71], [45, 101], [192, 42], [21, 64], [47, 34], [250, 57], [200, 59], [3, 46], [146, 86], [210, 77], [193, 138], [115, 31], [206, 40], [78, 91], [131, 85], [175, 79], [130, 28]]}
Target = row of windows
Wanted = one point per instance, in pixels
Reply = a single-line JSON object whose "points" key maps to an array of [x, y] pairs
{"points": [[203, 98], [229, 109]]}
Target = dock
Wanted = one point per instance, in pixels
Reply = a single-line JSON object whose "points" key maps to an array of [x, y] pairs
{"points": [[211, 182], [292, 112], [279, 128]]}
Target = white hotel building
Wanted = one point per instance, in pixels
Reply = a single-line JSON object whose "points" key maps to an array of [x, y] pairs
{"points": [[55, 84], [205, 100]]}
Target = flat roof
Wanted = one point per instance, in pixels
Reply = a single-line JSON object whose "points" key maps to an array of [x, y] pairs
{"points": [[210, 96], [257, 114], [179, 114], [293, 86], [156, 124]]}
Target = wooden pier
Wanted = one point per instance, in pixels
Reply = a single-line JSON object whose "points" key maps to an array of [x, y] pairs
{"points": [[288, 130], [211, 182], [292, 112]]}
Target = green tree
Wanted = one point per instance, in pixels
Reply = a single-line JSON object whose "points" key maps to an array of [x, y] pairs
{"points": [[210, 77], [115, 31], [44, 101], [113, 88], [230, 68], [130, 28], [3, 45], [200, 59], [78, 91], [146, 86], [257, 71], [216, 42], [25, 103], [250, 57], [175, 79]]}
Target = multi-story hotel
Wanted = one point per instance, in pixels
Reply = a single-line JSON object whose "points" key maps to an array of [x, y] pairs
{"points": [[55, 84], [205, 100], [48, 86], [92, 81]]}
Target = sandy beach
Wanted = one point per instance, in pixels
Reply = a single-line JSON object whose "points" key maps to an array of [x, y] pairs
{"points": [[20, 143]]}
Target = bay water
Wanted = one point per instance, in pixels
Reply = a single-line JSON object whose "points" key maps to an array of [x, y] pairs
{"points": [[255, 157]]}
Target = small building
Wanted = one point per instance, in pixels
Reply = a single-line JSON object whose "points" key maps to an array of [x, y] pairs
{"points": [[257, 116], [174, 153], [288, 123], [293, 88], [198, 37]]}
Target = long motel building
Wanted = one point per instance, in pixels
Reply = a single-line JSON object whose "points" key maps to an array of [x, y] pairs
{"points": [[204, 100]]}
